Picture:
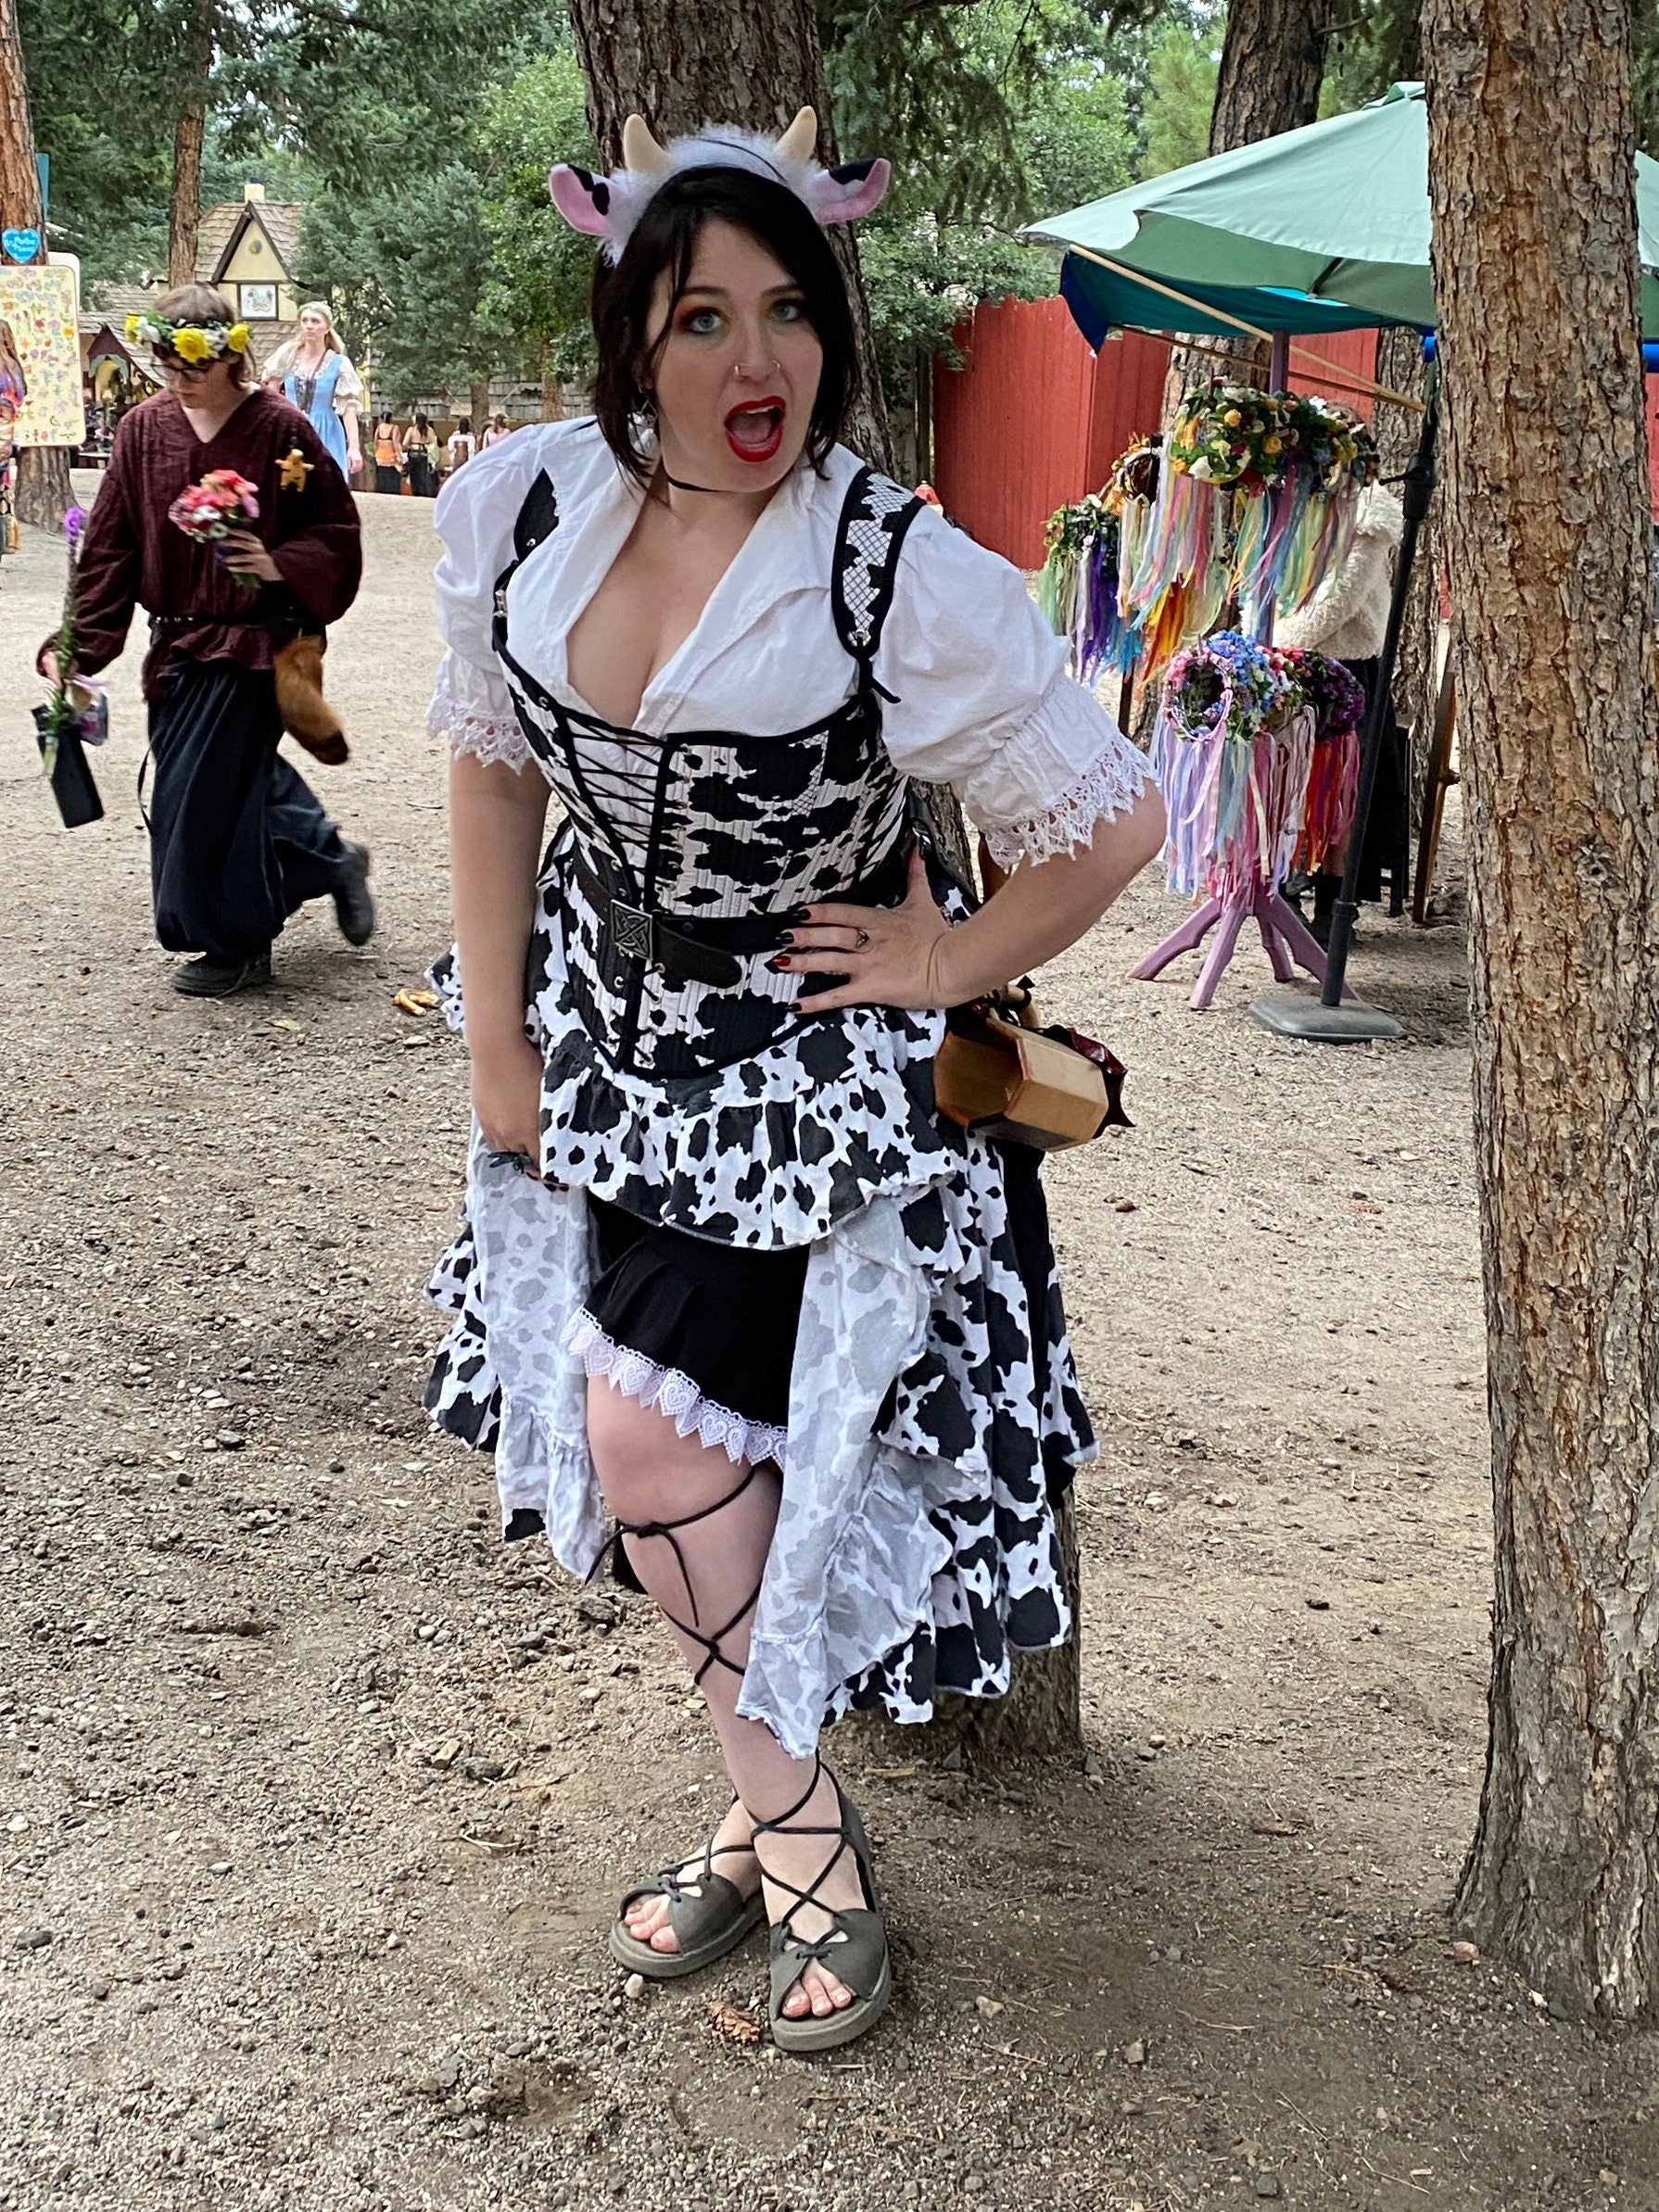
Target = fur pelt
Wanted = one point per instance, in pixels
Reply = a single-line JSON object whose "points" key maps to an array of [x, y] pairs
{"points": [[307, 715]]}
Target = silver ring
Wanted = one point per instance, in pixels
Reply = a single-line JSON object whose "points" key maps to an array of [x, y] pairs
{"points": [[860, 939]]}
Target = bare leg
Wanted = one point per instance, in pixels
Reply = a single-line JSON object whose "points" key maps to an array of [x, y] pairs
{"points": [[699, 1532]]}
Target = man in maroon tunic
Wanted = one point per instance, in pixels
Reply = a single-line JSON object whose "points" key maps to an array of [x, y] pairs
{"points": [[238, 839]]}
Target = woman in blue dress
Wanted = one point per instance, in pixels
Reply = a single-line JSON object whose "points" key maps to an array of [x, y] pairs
{"points": [[313, 370]]}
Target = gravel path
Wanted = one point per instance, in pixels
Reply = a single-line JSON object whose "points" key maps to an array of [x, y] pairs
{"points": [[314, 1801]]}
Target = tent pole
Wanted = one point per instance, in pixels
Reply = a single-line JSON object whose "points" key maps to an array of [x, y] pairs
{"points": [[1417, 492]]}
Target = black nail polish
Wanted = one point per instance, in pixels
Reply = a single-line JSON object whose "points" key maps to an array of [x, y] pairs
{"points": [[799, 913], [778, 967]]}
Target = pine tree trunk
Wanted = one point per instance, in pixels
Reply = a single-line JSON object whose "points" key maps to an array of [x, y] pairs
{"points": [[42, 482], [680, 65], [480, 404], [20, 180], [42, 490], [750, 62], [185, 202], [1272, 66], [1548, 545], [184, 205]]}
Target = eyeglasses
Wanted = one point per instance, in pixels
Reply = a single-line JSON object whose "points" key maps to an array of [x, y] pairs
{"points": [[171, 365]]}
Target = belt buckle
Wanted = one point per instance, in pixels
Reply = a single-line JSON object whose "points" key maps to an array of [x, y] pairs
{"points": [[634, 930]]}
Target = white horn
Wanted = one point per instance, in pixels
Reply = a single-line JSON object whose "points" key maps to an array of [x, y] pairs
{"points": [[640, 151], [799, 142]]}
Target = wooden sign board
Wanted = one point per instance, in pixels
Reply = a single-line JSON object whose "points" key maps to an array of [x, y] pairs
{"points": [[42, 304]]}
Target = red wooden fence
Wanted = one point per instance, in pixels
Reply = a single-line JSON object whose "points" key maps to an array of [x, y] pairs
{"points": [[1035, 419]]}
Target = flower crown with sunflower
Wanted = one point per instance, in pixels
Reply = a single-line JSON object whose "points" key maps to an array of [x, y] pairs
{"points": [[190, 341]]}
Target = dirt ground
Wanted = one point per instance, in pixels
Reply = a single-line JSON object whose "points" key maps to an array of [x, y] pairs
{"points": [[314, 1800]]}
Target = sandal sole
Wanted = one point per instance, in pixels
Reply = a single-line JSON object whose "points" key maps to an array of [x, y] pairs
{"points": [[669, 1965], [803, 2037]]}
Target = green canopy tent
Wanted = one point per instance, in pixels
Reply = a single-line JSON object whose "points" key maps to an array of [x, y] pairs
{"points": [[1322, 229], [1326, 228]]}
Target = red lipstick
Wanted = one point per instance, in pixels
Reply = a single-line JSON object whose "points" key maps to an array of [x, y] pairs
{"points": [[755, 431]]}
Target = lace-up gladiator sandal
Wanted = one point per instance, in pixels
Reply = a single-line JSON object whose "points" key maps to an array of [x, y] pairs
{"points": [[852, 1948], [709, 1915]]}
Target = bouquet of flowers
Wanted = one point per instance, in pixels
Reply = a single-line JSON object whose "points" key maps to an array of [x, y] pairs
{"points": [[76, 714], [222, 502]]}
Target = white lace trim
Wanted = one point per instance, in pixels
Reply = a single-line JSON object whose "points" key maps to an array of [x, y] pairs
{"points": [[672, 1392], [1108, 787], [474, 725]]}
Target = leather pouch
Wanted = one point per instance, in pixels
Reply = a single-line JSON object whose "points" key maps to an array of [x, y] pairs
{"points": [[1000, 1076]]}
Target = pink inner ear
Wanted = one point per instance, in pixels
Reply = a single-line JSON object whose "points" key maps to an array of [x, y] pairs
{"points": [[836, 202], [574, 199]]}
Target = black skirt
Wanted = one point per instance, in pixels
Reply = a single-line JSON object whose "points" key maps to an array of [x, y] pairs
{"points": [[238, 839], [720, 1317]]}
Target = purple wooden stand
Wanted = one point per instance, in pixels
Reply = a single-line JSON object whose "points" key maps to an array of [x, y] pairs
{"points": [[1285, 938]]}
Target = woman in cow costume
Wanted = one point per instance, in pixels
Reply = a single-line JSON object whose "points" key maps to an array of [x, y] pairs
{"points": [[727, 1277]]}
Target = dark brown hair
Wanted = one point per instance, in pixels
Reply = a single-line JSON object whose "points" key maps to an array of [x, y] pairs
{"points": [[665, 239]]}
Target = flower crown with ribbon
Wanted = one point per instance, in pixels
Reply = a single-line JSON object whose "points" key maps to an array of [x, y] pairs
{"points": [[190, 341], [610, 207]]}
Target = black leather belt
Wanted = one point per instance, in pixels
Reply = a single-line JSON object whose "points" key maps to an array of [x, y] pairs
{"points": [[689, 950]]}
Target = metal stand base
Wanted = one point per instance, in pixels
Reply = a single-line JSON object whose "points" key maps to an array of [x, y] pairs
{"points": [[1293, 1013]]}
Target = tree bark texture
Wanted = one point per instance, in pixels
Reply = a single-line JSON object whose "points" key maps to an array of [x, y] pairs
{"points": [[1273, 65], [184, 200], [683, 63], [185, 204], [20, 180], [42, 482], [1547, 541]]}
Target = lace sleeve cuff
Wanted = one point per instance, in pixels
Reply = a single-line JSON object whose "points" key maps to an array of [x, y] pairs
{"points": [[471, 709], [1108, 787]]}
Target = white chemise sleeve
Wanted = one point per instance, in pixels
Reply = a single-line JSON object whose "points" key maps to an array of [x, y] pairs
{"points": [[471, 706], [983, 702]]}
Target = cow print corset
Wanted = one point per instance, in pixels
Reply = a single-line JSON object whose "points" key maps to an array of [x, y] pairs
{"points": [[680, 857]]}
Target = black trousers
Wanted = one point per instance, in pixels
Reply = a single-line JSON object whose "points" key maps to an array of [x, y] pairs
{"points": [[238, 839]]}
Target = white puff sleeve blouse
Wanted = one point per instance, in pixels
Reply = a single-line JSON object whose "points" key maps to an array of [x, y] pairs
{"points": [[472, 707], [977, 696], [983, 702]]}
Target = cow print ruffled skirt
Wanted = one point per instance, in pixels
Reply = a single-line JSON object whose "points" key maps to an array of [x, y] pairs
{"points": [[930, 1411]]}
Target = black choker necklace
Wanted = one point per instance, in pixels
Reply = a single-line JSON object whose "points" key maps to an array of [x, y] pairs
{"points": [[678, 485]]}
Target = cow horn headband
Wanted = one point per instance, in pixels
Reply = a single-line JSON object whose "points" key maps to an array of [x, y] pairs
{"points": [[609, 208]]}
